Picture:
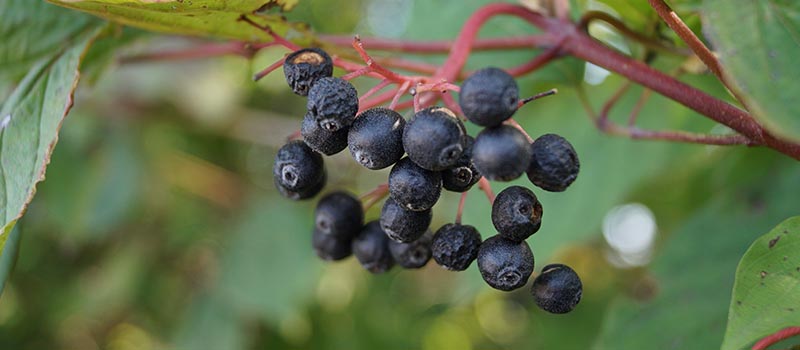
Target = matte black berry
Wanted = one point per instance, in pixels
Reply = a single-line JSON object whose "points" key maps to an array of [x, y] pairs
{"points": [[339, 214], [371, 248], [333, 102], [412, 255], [558, 289], [489, 96], [304, 194], [321, 140], [516, 213], [505, 265], [403, 225], [304, 67], [501, 153], [463, 174], [297, 167], [413, 187], [456, 246], [434, 138], [329, 247], [376, 138], [554, 163]]}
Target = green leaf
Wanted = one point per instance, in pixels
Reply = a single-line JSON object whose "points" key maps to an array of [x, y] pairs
{"points": [[29, 124], [196, 17], [766, 293], [758, 43], [8, 255]]}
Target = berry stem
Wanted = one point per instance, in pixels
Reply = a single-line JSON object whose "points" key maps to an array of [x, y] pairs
{"points": [[374, 66], [440, 47], [524, 101], [384, 83], [515, 124], [486, 187], [374, 196], [782, 334], [269, 69], [537, 62], [460, 210], [400, 91], [277, 38]]}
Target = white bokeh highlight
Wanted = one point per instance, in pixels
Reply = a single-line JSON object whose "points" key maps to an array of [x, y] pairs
{"points": [[630, 231]]}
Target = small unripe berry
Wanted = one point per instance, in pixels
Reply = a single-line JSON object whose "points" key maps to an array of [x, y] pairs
{"points": [[554, 163], [434, 138], [304, 67], [501, 153], [489, 96], [558, 289], [504, 264]]}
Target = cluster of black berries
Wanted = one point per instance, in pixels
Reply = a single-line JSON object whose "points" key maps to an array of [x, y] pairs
{"points": [[439, 154]]}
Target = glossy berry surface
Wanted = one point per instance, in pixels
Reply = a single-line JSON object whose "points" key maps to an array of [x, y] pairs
{"points": [[371, 248], [434, 138], [558, 289], [516, 213], [501, 153], [456, 246], [321, 140], [463, 174], [412, 255], [489, 96], [329, 247], [403, 225], [304, 67], [504, 264], [297, 168], [339, 214], [554, 163], [375, 139], [333, 103], [413, 187]]}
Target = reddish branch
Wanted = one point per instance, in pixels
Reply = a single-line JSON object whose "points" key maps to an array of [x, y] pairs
{"points": [[776, 337]]}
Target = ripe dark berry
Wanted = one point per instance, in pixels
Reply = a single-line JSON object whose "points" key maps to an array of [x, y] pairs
{"points": [[403, 225], [339, 214], [501, 153], [304, 67], [297, 168], [456, 246], [321, 140], [371, 248], [329, 247], [434, 138], [504, 264], [413, 187], [304, 194], [376, 138], [489, 96], [554, 163], [516, 213], [463, 174], [412, 255], [333, 102], [558, 289]]}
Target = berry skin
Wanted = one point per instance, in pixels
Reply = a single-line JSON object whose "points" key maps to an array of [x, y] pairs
{"points": [[304, 67], [558, 289], [434, 138], [371, 248], [501, 153], [376, 138], [554, 163], [339, 214], [321, 140], [403, 225], [413, 187], [333, 103], [412, 255], [304, 194], [504, 264], [489, 96], [297, 168], [455, 246], [329, 247], [516, 213], [463, 174]]}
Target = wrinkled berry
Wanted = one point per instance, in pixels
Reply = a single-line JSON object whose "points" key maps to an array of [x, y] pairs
{"points": [[455, 246], [333, 102], [434, 138], [297, 167], [304, 67], [412, 255], [376, 138], [371, 248], [413, 187], [558, 289], [516, 213], [489, 96], [403, 225], [501, 153], [554, 163], [504, 264], [321, 140], [339, 214], [463, 174], [329, 247]]}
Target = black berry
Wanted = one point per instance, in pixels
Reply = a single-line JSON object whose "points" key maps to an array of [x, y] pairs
{"points": [[333, 103], [297, 168], [371, 248], [501, 153], [434, 138], [376, 138], [456, 246], [558, 289], [304, 194], [321, 140], [304, 67], [504, 264], [403, 225], [413, 187], [554, 163], [516, 213], [339, 214], [489, 96], [463, 174], [412, 255], [329, 247]]}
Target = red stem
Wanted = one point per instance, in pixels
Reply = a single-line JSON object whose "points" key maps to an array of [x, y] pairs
{"points": [[782, 334], [438, 47], [461, 207]]}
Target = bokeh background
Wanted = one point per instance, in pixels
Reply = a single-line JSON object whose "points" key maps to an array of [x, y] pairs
{"points": [[158, 226]]}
